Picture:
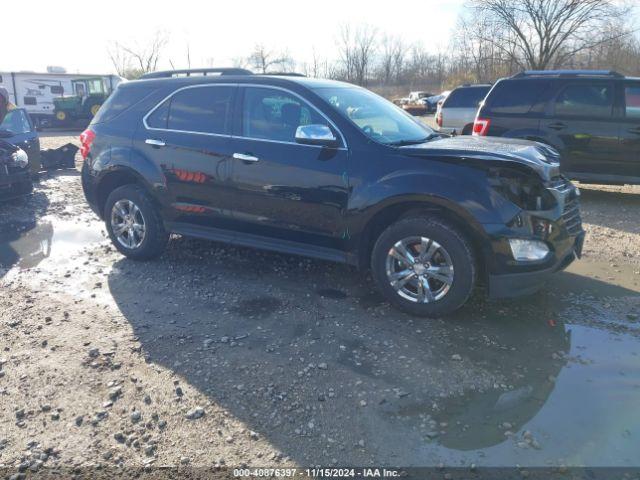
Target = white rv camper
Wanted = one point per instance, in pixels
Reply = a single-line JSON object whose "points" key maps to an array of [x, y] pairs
{"points": [[35, 91]]}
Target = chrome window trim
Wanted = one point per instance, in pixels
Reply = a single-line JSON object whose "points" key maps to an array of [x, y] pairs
{"points": [[244, 85], [205, 85]]}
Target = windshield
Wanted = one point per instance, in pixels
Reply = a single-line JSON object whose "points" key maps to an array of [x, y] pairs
{"points": [[15, 123], [378, 118]]}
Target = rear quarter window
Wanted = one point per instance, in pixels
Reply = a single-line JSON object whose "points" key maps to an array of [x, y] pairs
{"points": [[123, 98], [515, 96], [466, 97]]}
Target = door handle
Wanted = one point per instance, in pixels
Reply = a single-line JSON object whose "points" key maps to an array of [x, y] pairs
{"points": [[635, 130], [155, 142], [557, 126], [245, 157]]}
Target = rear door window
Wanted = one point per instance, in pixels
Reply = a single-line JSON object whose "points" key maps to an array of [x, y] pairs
{"points": [[469, 97], [516, 96], [201, 109], [160, 116], [632, 101], [585, 100], [121, 100]]}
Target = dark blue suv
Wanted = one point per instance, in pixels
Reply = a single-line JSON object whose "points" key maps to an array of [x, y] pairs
{"points": [[332, 171]]}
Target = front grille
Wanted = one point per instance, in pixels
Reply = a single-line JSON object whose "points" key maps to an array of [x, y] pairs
{"points": [[571, 216]]}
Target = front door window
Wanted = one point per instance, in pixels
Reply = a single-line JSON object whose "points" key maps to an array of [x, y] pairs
{"points": [[272, 114]]}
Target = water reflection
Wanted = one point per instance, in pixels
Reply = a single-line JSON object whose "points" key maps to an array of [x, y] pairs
{"points": [[26, 245]]}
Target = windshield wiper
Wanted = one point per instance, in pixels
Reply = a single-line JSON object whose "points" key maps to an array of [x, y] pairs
{"points": [[401, 143], [431, 136], [6, 133]]}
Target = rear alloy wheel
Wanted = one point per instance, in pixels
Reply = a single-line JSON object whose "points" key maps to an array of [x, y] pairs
{"points": [[127, 223], [134, 223], [424, 266]]}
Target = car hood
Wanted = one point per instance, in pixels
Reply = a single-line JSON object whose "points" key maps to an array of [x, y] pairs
{"points": [[537, 157]]}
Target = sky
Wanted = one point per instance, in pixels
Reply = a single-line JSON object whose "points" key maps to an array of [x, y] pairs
{"points": [[76, 35]]}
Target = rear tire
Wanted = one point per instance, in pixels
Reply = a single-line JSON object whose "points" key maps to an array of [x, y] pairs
{"points": [[134, 224], [444, 273]]}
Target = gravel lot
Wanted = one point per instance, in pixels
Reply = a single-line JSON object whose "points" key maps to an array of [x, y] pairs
{"points": [[215, 355]]}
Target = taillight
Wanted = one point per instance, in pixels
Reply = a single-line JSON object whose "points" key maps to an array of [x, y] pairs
{"points": [[86, 139], [481, 126], [439, 118]]}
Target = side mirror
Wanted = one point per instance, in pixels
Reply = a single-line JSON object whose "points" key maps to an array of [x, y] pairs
{"points": [[316, 135]]}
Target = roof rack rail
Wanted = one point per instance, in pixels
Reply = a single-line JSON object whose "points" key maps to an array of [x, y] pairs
{"points": [[284, 74], [197, 72], [569, 73]]}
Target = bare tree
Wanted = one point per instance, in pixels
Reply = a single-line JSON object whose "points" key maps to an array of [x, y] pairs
{"points": [[120, 59], [392, 56], [477, 58], [263, 60], [313, 67], [544, 33], [132, 61], [357, 50]]}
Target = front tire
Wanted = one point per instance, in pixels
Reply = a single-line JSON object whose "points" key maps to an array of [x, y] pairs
{"points": [[134, 223], [424, 266]]}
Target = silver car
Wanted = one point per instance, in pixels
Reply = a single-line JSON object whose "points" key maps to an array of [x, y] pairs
{"points": [[459, 109]]}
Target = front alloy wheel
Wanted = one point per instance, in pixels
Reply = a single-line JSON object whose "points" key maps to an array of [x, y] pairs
{"points": [[424, 265], [127, 224], [419, 269]]}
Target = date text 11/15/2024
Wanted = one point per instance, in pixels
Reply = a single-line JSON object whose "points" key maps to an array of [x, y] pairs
{"points": [[315, 473]]}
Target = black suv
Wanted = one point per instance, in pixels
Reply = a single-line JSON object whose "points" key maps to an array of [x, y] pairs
{"points": [[327, 170], [591, 117]]}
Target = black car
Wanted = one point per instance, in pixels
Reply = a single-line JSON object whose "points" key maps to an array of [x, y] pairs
{"points": [[18, 129], [332, 171], [19, 150], [15, 178], [591, 117]]}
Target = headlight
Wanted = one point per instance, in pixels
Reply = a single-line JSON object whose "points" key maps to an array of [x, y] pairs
{"points": [[20, 158], [525, 191], [528, 250]]}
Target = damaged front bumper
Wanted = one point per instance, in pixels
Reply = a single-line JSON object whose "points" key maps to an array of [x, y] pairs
{"points": [[560, 228]]}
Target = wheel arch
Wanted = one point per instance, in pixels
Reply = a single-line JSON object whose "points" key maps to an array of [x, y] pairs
{"points": [[115, 178], [425, 206]]}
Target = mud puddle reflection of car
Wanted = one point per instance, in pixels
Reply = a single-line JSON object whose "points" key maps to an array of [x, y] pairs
{"points": [[567, 370], [575, 407], [49, 243]]}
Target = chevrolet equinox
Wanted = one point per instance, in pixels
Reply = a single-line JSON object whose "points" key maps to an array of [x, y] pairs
{"points": [[328, 170]]}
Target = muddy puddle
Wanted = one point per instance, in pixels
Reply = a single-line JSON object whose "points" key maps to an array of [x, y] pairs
{"points": [[567, 370], [567, 407], [48, 245]]}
